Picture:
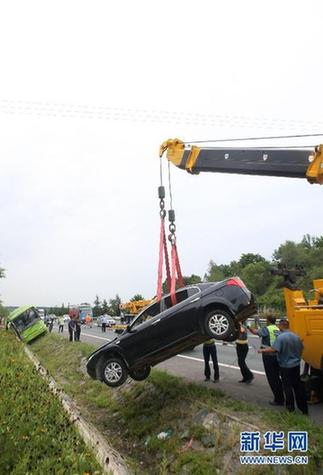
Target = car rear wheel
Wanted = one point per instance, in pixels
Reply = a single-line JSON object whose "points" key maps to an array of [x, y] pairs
{"points": [[140, 374], [219, 324], [114, 372]]}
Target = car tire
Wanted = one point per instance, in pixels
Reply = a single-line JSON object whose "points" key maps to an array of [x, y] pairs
{"points": [[114, 372], [140, 374], [219, 324]]}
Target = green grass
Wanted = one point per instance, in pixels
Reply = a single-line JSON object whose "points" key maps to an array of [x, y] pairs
{"points": [[36, 436], [131, 417]]}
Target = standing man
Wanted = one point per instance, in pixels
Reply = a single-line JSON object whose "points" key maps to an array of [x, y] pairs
{"points": [[71, 329], [289, 348], [77, 328], [209, 349], [268, 336], [88, 320], [60, 324], [242, 348], [51, 324], [104, 322]]}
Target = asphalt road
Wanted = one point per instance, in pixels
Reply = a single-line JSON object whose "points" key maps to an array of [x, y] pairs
{"points": [[190, 365]]}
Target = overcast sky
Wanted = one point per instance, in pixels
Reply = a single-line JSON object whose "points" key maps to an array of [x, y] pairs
{"points": [[89, 90]]}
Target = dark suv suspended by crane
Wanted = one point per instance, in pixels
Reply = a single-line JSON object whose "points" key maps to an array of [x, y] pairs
{"points": [[162, 330]]}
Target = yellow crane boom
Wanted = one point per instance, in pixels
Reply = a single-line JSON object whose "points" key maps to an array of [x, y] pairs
{"points": [[289, 162]]}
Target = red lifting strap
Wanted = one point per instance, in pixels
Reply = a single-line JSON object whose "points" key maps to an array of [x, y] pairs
{"points": [[176, 270], [162, 251]]}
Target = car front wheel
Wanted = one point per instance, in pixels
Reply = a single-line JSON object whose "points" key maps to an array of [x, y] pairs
{"points": [[219, 324], [140, 374], [114, 372]]}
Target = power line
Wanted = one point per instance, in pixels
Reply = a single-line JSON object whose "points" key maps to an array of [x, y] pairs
{"points": [[49, 109]]}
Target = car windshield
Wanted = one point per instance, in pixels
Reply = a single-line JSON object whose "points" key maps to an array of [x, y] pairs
{"points": [[26, 319]]}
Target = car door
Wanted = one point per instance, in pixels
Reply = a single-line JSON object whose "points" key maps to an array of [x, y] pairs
{"points": [[177, 322], [142, 337]]}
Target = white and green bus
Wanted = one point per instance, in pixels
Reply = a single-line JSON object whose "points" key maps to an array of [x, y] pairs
{"points": [[26, 323]]}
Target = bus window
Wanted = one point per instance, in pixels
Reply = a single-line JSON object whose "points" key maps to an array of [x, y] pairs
{"points": [[25, 320]]}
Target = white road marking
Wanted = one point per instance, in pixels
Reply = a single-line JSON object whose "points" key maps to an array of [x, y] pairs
{"points": [[94, 336], [189, 357], [220, 364]]}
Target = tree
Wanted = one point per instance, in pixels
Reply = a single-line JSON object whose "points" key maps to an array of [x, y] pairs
{"points": [[114, 305], [105, 306], [136, 297], [187, 280], [257, 277], [250, 258], [214, 273], [97, 310], [290, 254], [318, 242], [192, 279]]}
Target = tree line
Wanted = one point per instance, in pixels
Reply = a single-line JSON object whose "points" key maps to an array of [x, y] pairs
{"points": [[252, 268], [255, 270]]}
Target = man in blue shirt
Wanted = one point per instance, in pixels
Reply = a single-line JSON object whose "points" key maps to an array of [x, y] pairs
{"points": [[289, 348], [268, 335]]}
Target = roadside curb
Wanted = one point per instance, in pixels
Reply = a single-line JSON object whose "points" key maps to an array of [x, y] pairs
{"points": [[108, 458]]}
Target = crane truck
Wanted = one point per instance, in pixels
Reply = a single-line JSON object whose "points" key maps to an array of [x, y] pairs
{"points": [[305, 317], [129, 310]]}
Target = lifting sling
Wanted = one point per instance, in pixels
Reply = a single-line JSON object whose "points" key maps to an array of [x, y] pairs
{"points": [[173, 273]]}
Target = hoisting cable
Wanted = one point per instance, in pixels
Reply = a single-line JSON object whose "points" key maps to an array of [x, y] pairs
{"points": [[241, 139], [176, 273], [162, 242]]}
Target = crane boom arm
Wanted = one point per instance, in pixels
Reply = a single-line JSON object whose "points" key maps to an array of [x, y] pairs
{"points": [[280, 162]]}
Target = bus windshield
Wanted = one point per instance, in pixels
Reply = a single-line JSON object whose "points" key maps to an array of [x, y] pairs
{"points": [[26, 319]]}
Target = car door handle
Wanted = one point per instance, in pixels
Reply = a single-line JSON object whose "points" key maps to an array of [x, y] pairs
{"points": [[156, 321], [195, 300]]}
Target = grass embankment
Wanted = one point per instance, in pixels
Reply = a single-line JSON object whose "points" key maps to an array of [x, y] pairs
{"points": [[36, 436], [203, 425]]}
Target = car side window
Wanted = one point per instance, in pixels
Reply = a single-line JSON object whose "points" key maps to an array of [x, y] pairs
{"points": [[147, 314], [192, 291], [180, 296]]}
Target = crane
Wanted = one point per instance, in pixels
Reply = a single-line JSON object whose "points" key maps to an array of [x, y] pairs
{"points": [[305, 317], [292, 162]]}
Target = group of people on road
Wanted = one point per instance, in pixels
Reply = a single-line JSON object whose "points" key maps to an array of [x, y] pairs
{"points": [[281, 352]]}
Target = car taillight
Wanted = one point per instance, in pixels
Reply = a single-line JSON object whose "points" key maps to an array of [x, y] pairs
{"points": [[236, 281]]}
